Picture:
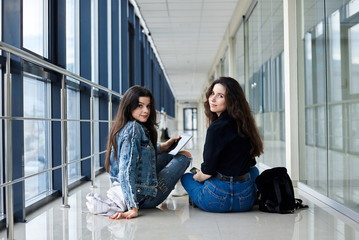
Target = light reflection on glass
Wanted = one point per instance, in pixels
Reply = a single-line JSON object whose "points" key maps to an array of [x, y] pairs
{"points": [[35, 32]]}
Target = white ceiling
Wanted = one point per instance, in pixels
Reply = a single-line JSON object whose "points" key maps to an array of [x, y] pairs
{"points": [[187, 35]]}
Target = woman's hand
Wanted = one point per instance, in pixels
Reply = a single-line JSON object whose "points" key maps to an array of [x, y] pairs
{"points": [[166, 145], [128, 215], [200, 176]]}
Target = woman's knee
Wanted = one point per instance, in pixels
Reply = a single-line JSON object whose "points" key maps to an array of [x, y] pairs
{"points": [[186, 153], [186, 178]]}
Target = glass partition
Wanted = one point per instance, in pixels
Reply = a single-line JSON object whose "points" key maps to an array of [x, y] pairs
{"points": [[239, 55], [329, 67], [225, 66], [35, 26], [73, 93], [37, 137], [265, 77]]}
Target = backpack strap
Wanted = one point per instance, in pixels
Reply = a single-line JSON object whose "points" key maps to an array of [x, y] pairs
{"points": [[278, 194], [299, 204]]}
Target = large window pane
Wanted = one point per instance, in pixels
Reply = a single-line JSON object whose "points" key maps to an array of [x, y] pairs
{"points": [[37, 137], [72, 36], [335, 70], [73, 94], [330, 101], [225, 66], [354, 59], [343, 37], [354, 128], [239, 55], [265, 83], [35, 26], [314, 151]]}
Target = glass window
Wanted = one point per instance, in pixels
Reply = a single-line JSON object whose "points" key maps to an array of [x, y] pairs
{"points": [[225, 71], [354, 128], [330, 101], [308, 69], [352, 7], [336, 127], [239, 55], [73, 94], [265, 89], [37, 137], [314, 156], [335, 69], [354, 59], [190, 118], [109, 45], [73, 36], [35, 26]]}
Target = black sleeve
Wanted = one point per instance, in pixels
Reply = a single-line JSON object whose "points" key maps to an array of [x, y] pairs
{"points": [[212, 150], [253, 162]]}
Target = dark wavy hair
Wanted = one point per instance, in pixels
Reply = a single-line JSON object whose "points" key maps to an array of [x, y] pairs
{"points": [[238, 109], [128, 104]]}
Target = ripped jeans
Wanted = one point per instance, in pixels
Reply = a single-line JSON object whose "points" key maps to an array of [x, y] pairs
{"points": [[214, 195], [169, 171]]}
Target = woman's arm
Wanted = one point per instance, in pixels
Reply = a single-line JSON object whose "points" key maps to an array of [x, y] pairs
{"points": [[127, 159], [200, 176], [164, 146]]}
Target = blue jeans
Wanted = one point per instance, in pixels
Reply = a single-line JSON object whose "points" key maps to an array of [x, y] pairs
{"points": [[214, 195], [169, 170]]}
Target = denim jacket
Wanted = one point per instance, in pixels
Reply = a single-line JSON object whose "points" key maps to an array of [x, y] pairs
{"points": [[135, 166]]}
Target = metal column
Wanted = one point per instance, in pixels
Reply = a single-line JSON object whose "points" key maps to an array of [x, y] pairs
{"points": [[64, 144], [92, 116], [8, 152]]}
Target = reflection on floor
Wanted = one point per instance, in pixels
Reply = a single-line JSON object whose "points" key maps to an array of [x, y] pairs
{"points": [[175, 219]]}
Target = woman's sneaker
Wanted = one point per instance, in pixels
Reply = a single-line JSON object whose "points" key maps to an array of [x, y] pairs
{"points": [[179, 191]]}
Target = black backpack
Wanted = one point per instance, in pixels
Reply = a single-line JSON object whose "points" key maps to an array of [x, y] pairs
{"points": [[276, 193]]}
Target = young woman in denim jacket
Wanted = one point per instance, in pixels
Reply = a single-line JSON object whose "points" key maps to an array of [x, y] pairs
{"points": [[226, 180], [145, 171]]}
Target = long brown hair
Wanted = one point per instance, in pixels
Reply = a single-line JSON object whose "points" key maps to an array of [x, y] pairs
{"points": [[238, 109], [129, 102]]}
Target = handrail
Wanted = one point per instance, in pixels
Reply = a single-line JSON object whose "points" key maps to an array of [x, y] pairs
{"points": [[49, 170], [8, 118], [29, 57]]}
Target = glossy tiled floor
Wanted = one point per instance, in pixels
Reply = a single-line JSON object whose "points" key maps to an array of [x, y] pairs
{"points": [[175, 219]]}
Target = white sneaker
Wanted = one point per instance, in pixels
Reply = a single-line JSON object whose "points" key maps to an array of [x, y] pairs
{"points": [[179, 191]]}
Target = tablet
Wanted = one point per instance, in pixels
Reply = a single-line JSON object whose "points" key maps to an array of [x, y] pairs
{"points": [[178, 145]]}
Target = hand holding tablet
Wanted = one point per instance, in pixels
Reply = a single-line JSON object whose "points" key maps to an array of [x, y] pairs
{"points": [[179, 144]]}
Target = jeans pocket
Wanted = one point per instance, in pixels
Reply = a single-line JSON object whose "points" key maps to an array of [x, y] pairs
{"points": [[211, 201], [247, 200]]}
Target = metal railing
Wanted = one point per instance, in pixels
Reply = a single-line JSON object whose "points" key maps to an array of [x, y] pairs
{"points": [[8, 118]]}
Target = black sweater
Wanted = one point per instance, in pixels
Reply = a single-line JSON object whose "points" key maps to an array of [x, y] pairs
{"points": [[225, 151]]}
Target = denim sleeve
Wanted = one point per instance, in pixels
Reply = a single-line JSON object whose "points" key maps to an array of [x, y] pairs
{"points": [[128, 156]]}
